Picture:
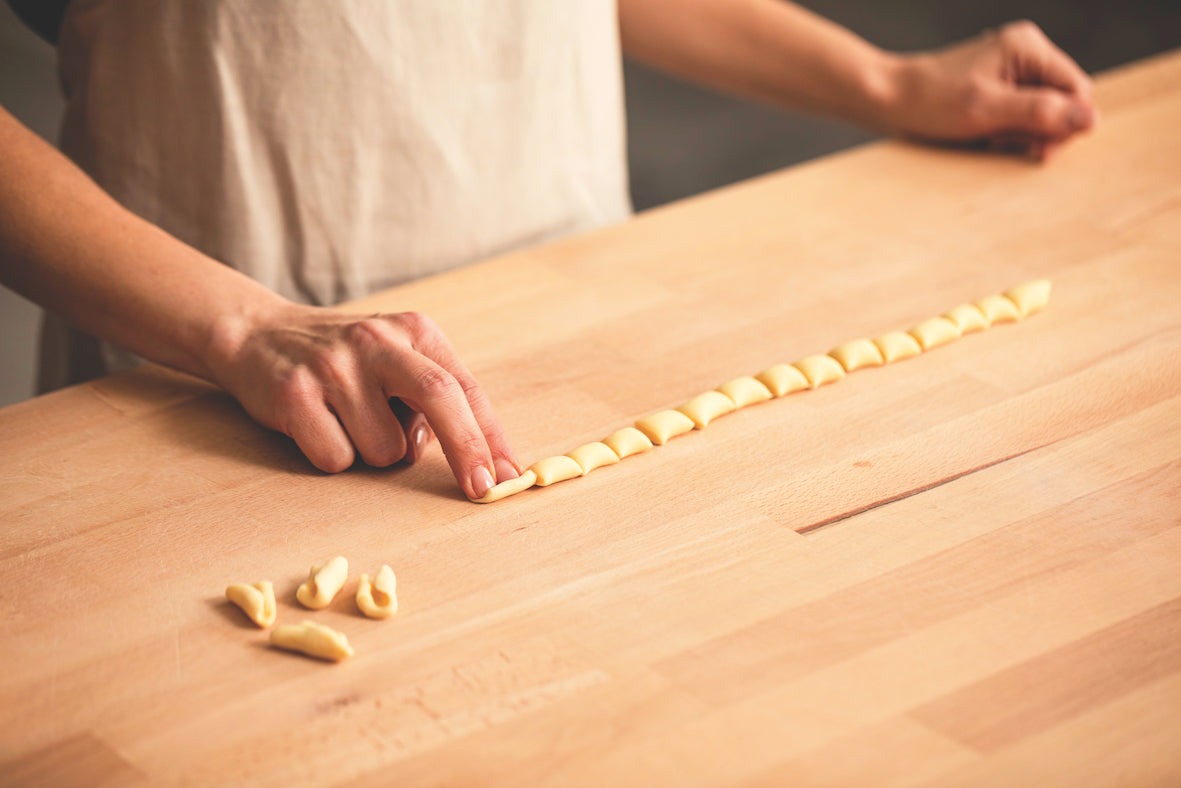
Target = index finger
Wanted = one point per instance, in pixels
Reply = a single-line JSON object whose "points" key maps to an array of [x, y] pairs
{"points": [[438, 395]]}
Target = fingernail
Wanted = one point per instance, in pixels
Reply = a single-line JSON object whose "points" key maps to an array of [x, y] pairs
{"points": [[420, 439], [1079, 118], [481, 481], [505, 470]]}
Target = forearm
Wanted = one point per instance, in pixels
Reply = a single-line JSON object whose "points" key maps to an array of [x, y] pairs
{"points": [[67, 245], [769, 50]]}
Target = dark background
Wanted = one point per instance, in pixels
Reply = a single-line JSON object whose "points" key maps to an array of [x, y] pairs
{"points": [[682, 140]]}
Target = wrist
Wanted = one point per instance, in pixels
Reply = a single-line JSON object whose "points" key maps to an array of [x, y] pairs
{"points": [[230, 331]]}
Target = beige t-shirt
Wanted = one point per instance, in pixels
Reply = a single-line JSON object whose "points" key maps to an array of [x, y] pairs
{"points": [[331, 149]]}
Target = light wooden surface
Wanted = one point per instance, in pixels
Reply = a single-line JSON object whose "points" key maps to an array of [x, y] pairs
{"points": [[995, 599]]}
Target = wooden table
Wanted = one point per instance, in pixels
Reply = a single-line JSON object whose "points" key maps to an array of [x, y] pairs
{"points": [[996, 598]]}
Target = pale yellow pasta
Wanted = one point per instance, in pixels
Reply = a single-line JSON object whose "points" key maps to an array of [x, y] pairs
{"points": [[998, 309], [628, 441], [934, 332], [312, 639], [706, 407], [256, 600], [664, 426], [1030, 297], [897, 345], [820, 369], [782, 379], [323, 583], [593, 455], [968, 318], [745, 390], [509, 487], [857, 354], [379, 598], [555, 469]]}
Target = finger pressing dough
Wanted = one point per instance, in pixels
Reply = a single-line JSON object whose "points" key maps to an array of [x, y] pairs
{"points": [[935, 332], [378, 599], [782, 379], [857, 354], [628, 441], [820, 369], [998, 309], [257, 601], [1030, 297], [897, 345], [664, 426], [555, 469], [322, 584], [967, 318], [706, 407], [509, 487], [745, 391], [312, 639], [593, 455]]}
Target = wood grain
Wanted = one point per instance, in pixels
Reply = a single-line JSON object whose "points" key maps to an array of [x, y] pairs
{"points": [[957, 569]]}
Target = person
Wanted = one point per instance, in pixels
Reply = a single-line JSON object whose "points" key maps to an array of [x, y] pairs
{"points": [[233, 169]]}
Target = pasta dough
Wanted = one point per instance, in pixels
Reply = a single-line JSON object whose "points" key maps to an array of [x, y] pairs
{"points": [[820, 369], [323, 583], [257, 601], [1030, 297], [379, 598], [897, 345], [312, 639], [782, 379], [706, 407], [628, 441], [555, 469], [745, 391], [593, 455], [509, 487], [935, 332], [664, 426], [857, 354]]}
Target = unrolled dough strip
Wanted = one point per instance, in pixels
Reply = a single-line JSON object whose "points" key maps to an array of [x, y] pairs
{"points": [[312, 639], [378, 599], [1030, 297], [898, 345], [857, 354], [509, 487], [593, 455], [780, 380], [998, 309], [967, 318], [820, 369], [664, 426], [745, 391], [935, 332], [322, 584], [628, 441], [555, 469], [257, 601], [706, 407]]}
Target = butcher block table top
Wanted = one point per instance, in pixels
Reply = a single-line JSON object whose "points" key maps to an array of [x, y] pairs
{"points": [[960, 569]]}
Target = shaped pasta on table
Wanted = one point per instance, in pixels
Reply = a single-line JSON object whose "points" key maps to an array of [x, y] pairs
{"points": [[745, 391], [323, 583], [313, 640], [665, 425], [706, 407], [378, 598], [256, 600]]}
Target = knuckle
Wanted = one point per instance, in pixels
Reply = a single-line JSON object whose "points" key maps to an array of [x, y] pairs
{"points": [[417, 325], [367, 332], [334, 367], [385, 454], [434, 383]]}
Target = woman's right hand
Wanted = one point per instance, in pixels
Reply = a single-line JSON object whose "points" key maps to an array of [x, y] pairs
{"points": [[326, 379]]}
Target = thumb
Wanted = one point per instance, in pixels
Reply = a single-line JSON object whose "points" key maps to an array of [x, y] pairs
{"points": [[1041, 112]]}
